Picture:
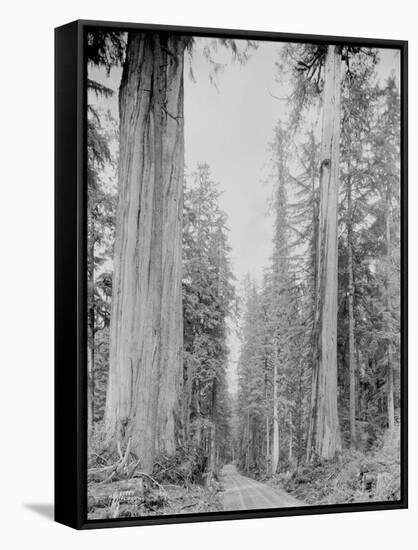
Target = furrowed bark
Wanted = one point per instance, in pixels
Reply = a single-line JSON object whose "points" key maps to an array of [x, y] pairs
{"points": [[169, 407], [146, 321], [324, 438]]}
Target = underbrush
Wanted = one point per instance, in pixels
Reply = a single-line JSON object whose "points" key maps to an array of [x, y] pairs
{"points": [[185, 467], [140, 500], [354, 477], [118, 488]]}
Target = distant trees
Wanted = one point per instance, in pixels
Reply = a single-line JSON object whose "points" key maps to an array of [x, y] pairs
{"points": [[104, 50], [388, 160], [100, 233], [367, 331], [208, 301], [386, 303], [272, 382], [359, 97], [254, 392]]}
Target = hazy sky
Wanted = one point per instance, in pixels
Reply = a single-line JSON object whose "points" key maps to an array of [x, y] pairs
{"points": [[229, 126]]}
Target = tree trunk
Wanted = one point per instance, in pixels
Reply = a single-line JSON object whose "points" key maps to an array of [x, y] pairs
{"points": [[275, 444], [390, 384], [90, 390], [290, 438], [211, 453], [300, 413], [91, 345], [315, 214], [197, 414], [324, 438], [211, 466], [351, 342], [187, 404], [146, 322], [267, 419], [247, 465], [267, 444]]}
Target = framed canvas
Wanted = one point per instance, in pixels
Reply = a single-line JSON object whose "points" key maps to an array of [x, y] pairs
{"points": [[231, 274]]}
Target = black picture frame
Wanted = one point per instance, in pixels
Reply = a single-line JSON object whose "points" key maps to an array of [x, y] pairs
{"points": [[70, 277]]}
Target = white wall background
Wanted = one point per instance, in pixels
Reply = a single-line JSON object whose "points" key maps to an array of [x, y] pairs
{"points": [[26, 274]]}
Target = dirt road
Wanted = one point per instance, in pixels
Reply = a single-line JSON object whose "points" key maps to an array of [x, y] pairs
{"points": [[243, 493]]}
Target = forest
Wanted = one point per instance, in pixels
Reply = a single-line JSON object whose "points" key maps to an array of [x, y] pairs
{"points": [[309, 412]]}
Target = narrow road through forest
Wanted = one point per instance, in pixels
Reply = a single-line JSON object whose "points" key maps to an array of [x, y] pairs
{"points": [[243, 493]]}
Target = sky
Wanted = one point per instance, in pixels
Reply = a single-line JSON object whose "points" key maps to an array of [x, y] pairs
{"points": [[229, 124]]}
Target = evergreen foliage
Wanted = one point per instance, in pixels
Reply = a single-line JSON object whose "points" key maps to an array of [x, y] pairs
{"points": [[281, 310]]}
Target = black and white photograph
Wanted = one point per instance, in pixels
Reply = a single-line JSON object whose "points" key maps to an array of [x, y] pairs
{"points": [[244, 255], [208, 262]]}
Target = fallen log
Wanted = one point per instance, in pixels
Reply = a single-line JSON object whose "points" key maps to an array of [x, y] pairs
{"points": [[125, 491]]}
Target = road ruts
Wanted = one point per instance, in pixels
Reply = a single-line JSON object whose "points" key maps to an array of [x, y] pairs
{"points": [[243, 493]]}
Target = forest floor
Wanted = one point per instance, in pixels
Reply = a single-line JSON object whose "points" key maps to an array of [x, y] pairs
{"points": [[355, 477], [177, 485], [169, 499]]}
